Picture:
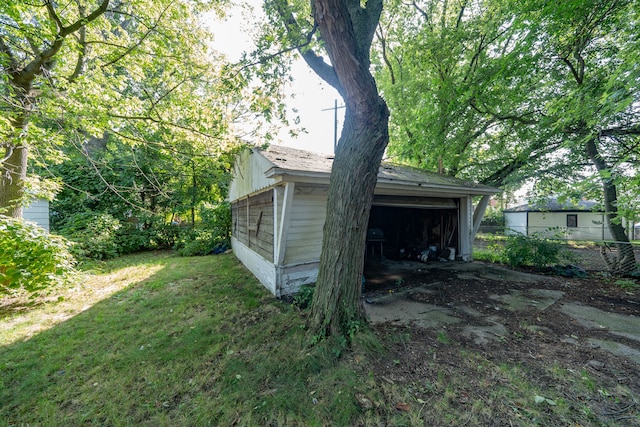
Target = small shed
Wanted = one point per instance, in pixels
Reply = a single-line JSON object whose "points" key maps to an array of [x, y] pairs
{"points": [[278, 197], [552, 219], [38, 213]]}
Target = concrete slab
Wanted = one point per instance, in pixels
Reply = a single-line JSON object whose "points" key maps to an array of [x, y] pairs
{"points": [[483, 334], [518, 300], [617, 348], [591, 317], [399, 308]]}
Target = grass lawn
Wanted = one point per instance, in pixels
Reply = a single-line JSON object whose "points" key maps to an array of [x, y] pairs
{"points": [[157, 340], [154, 339]]}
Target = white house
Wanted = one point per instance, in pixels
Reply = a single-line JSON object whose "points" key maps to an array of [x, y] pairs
{"points": [[551, 219], [279, 196], [37, 212]]}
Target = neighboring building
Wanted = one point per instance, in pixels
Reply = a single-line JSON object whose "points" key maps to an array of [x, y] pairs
{"points": [[279, 196], [551, 219], [38, 213]]}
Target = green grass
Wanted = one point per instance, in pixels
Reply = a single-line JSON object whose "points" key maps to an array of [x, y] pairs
{"points": [[157, 340]]}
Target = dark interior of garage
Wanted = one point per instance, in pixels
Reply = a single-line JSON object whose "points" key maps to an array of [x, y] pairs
{"points": [[421, 234]]}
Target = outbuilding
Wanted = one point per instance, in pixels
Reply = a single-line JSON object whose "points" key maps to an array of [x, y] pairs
{"points": [[37, 212], [279, 194], [550, 218]]}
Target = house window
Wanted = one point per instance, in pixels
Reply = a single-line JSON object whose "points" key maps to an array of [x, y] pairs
{"points": [[572, 220]]}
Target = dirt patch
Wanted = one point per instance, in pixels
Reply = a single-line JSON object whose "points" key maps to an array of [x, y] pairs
{"points": [[589, 327]]}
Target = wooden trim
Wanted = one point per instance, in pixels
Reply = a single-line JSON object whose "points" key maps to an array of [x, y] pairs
{"points": [[283, 224], [478, 213]]}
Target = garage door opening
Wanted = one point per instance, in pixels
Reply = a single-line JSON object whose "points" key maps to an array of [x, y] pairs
{"points": [[412, 233]]}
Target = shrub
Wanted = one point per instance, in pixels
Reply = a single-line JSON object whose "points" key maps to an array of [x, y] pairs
{"points": [[32, 259], [212, 234], [532, 250], [303, 298], [131, 238], [94, 234]]}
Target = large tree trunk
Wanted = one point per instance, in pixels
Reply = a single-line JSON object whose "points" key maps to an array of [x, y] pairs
{"points": [[625, 260], [14, 165], [14, 173], [337, 307], [347, 29]]}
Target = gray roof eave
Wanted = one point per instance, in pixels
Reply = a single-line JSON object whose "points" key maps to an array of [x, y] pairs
{"points": [[385, 183]]}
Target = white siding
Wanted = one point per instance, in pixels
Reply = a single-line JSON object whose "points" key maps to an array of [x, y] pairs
{"points": [[249, 175], [264, 270], [37, 212], [515, 223], [591, 225], [304, 237]]}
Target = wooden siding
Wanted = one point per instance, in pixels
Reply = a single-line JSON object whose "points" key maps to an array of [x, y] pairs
{"points": [[37, 212], [249, 175], [252, 222], [239, 221], [260, 224], [304, 238]]}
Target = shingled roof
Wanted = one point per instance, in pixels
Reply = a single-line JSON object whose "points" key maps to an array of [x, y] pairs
{"points": [[553, 205], [293, 161]]}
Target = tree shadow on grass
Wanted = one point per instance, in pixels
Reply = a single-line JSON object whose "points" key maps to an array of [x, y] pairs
{"points": [[135, 356]]}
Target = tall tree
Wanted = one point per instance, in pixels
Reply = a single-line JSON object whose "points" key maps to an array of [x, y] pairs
{"points": [[346, 30], [90, 66], [502, 92], [458, 78], [596, 52]]}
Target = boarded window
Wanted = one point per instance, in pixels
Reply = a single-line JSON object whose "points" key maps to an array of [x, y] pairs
{"points": [[252, 222], [572, 220]]}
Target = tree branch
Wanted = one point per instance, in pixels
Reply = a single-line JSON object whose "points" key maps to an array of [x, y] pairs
{"points": [[313, 60], [511, 117], [385, 58], [35, 66]]}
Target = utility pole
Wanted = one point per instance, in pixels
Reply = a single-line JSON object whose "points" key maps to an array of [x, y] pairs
{"points": [[335, 123]]}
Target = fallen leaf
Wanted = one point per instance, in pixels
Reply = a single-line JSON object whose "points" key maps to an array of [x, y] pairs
{"points": [[403, 407]]}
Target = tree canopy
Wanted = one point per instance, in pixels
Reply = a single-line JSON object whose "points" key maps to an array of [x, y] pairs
{"points": [[509, 92], [142, 72]]}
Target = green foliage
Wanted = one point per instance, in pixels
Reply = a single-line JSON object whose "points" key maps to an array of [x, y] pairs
{"points": [[536, 251], [31, 259], [493, 218], [627, 284], [212, 234], [304, 296], [94, 234]]}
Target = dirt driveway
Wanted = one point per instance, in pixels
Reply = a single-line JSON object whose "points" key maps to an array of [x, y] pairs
{"points": [[576, 324]]}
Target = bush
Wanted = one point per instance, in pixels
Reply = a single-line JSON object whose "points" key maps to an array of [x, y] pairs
{"points": [[493, 221], [303, 298], [32, 259], [94, 235], [213, 233], [532, 250], [130, 238]]}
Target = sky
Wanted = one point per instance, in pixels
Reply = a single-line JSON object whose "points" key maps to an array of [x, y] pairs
{"points": [[314, 100]]}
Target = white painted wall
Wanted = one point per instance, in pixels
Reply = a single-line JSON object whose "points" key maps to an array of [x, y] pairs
{"points": [[249, 175], [591, 225], [515, 223], [37, 212], [304, 237], [264, 270]]}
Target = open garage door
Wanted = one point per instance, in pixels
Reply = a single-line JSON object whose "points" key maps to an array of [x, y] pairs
{"points": [[410, 227]]}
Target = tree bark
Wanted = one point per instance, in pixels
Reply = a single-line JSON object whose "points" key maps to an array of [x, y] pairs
{"points": [[347, 30], [625, 260], [337, 307], [14, 163], [14, 173], [13, 168]]}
